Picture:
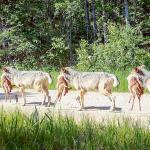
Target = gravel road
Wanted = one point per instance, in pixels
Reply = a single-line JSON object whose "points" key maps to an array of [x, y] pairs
{"points": [[97, 106]]}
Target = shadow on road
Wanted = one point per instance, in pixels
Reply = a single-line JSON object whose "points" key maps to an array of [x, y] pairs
{"points": [[39, 103], [2, 96], [102, 108]]}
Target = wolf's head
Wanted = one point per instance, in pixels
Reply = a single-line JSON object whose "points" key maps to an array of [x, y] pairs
{"points": [[138, 70], [68, 73], [9, 70], [5, 70], [65, 70]]}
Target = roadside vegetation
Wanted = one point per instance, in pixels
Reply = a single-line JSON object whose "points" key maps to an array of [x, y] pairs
{"points": [[91, 35], [18, 131]]}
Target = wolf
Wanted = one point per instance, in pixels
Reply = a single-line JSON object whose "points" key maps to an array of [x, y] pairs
{"points": [[29, 79], [88, 81]]}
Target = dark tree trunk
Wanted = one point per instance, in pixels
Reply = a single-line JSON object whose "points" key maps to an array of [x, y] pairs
{"points": [[70, 47], [69, 39], [104, 23], [94, 19], [86, 9], [50, 13], [126, 12]]}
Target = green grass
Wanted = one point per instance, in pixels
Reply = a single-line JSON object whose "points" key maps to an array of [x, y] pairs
{"points": [[21, 132], [122, 76], [54, 75]]}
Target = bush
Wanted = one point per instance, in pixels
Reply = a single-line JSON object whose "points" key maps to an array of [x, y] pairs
{"points": [[120, 52], [83, 55]]}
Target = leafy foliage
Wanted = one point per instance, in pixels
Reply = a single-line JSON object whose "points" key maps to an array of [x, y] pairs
{"points": [[121, 51], [48, 33]]}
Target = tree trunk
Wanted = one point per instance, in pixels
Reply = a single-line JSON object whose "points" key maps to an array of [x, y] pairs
{"points": [[50, 14], [69, 39], [70, 47], [94, 19], [104, 24], [86, 9], [126, 12]]}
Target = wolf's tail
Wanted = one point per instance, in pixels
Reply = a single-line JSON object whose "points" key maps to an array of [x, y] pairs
{"points": [[49, 78], [116, 81]]}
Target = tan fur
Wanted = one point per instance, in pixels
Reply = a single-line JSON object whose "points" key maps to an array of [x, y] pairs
{"points": [[7, 87], [146, 78], [88, 81], [33, 79], [136, 90], [135, 85], [62, 88]]}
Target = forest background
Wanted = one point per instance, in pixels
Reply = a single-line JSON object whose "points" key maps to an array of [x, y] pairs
{"points": [[92, 35]]}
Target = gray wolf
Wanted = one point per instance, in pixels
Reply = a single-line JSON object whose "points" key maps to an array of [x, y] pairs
{"points": [[29, 79], [87, 81]]}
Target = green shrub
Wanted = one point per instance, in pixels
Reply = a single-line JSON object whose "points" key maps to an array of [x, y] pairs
{"points": [[83, 55], [119, 53]]}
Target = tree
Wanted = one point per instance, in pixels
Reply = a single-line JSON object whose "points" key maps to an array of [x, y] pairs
{"points": [[88, 26], [94, 19], [33, 34], [104, 23], [126, 12]]}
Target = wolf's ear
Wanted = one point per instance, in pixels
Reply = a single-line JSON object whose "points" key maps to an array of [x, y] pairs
{"points": [[135, 69], [4, 69], [64, 70], [141, 67]]}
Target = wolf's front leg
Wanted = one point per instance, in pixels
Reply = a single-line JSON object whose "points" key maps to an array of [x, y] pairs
{"points": [[49, 101], [130, 98], [43, 103], [113, 101], [82, 93], [5, 92], [23, 95], [16, 97], [58, 98]]}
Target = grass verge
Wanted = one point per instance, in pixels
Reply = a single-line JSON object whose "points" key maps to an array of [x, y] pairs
{"points": [[18, 131]]}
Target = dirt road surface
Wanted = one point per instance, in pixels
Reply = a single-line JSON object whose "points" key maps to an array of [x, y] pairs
{"points": [[97, 106]]}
